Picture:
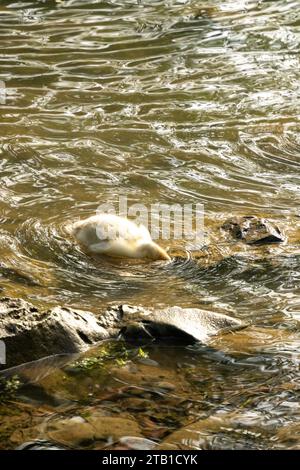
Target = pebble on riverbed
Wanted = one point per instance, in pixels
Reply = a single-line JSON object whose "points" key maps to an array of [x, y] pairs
{"points": [[78, 431]]}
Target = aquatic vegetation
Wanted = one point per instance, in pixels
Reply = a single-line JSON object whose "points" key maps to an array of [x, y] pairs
{"points": [[108, 355], [141, 353], [9, 387]]}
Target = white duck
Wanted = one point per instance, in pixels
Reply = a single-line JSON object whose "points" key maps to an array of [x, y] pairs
{"points": [[118, 237]]}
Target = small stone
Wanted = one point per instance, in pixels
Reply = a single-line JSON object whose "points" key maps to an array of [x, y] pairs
{"points": [[137, 443], [113, 427], [72, 432], [165, 385]]}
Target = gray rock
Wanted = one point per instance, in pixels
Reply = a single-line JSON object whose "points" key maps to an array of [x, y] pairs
{"points": [[253, 230], [190, 324], [31, 334]]}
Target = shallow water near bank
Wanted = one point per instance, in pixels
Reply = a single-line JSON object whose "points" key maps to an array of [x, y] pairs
{"points": [[163, 101]]}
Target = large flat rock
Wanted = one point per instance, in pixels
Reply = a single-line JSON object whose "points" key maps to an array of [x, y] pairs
{"points": [[190, 324]]}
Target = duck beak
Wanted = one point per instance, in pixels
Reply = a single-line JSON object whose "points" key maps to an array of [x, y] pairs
{"points": [[160, 253]]}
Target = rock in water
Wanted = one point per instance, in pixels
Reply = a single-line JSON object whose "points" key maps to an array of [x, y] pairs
{"points": [[189, 324], [31, 334], [253, 230]]}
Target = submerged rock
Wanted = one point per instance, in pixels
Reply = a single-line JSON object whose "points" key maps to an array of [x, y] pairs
{"points": [[30, 334], [190, 324], [74, 431], [81, 432], [253, 230]]}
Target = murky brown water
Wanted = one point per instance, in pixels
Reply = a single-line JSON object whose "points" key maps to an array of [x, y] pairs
{"points": [[164, 101]]}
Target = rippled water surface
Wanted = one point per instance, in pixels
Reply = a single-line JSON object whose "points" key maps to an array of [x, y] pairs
{"points": [[172, 102]]}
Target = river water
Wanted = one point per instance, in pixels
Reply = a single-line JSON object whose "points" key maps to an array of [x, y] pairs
{"points": [[172, 102]]}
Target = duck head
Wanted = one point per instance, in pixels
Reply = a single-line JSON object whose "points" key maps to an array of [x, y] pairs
{"points": [[151, 250]]}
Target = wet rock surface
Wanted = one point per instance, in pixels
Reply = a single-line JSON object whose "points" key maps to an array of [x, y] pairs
{"points": [[253, 230], [190, 324], [30, 334]]}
